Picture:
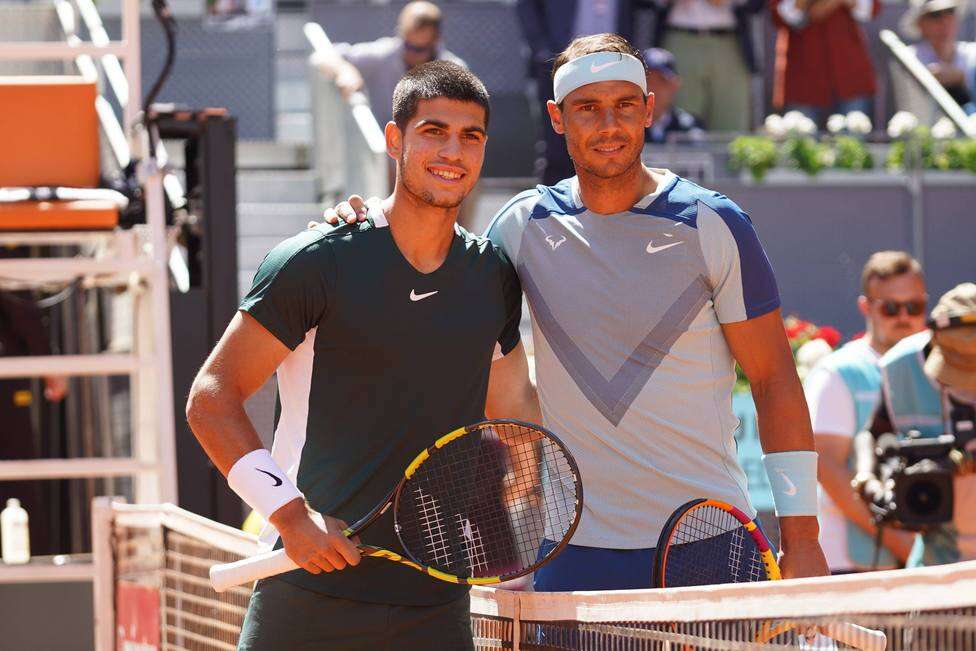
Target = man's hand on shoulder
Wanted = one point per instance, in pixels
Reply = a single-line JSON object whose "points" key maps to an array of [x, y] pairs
{"points": [[314, 541], [349, 212]]}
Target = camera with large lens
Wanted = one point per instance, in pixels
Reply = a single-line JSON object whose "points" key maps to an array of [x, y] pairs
{"points": [[916, 476]]}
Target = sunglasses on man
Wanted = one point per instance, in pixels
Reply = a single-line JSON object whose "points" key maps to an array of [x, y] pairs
{"points": [[894, 308], [418, 49]]}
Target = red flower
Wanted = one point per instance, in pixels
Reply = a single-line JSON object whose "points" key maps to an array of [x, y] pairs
{"points": [[795, 327], [831, 335]]}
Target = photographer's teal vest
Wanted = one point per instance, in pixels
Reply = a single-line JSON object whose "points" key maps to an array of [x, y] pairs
{"points": [[915, 403], [862, 377]]}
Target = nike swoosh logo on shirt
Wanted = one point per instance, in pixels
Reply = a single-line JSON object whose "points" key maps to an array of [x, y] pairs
{"points": [[594, 68], [654, 249], [414, 296], [276, 478], [790, 486]]}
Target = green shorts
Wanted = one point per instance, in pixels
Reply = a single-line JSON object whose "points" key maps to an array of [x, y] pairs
{"points": [[284, 616]]}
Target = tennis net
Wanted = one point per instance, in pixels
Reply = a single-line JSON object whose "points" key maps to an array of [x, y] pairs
{"points": [[153, 589]]}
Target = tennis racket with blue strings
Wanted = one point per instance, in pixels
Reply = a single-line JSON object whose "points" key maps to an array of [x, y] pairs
{"points": [[708, 542]]}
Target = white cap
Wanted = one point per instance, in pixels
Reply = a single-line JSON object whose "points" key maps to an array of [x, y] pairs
{"points": [[599, 66], [13, 503]]}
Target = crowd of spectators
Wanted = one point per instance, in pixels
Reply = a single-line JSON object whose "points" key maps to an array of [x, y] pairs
{"points": [[822, 61]]}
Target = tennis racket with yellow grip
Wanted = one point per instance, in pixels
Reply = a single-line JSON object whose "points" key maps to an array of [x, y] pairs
{"points": [[473, 508], [707, 542]]}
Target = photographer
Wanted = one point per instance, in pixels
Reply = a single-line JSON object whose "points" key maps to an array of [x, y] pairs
{"points": [[842, 392], [924, 479]]}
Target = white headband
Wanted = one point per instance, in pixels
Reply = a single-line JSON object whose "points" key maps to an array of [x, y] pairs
{"points": [[599, 66]]}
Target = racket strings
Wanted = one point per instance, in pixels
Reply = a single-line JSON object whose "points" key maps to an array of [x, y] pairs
{"points": [[481, 505], [433, 523], [710, 546]]}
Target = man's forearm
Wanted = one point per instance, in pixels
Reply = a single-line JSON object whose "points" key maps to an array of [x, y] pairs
{"points": [[221, 426], [782, 415], [836, 481], [864, 462], [523, 404], [784, 426]]}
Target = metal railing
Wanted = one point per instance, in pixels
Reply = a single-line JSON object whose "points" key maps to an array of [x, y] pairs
{"points": [[927, 82], [137, 259], [349, 146]]}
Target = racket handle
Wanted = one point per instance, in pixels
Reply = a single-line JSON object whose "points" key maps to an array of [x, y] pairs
{"points": [[248, 570], [865, 639]]}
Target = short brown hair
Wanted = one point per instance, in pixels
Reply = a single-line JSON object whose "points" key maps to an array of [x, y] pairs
{"points": [[432, 80], [888, 264], [596, 43], [418, 15]]}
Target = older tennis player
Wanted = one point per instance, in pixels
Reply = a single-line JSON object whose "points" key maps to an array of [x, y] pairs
{"points": [[645, 289]]}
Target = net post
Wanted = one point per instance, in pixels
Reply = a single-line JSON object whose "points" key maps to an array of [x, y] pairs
{"points": [[103, 595]]}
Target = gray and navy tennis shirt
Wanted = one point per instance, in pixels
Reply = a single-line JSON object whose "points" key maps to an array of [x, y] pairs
{"points": [[633, 370]]}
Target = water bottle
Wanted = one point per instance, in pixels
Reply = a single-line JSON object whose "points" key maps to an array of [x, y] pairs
{"points": [[14, 537]]}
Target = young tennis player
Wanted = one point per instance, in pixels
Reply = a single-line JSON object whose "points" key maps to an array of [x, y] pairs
{"points": [[644, 289], [382, 334]]}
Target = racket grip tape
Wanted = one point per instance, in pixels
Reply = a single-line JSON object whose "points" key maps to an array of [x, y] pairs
{"points": [[247, 570]]}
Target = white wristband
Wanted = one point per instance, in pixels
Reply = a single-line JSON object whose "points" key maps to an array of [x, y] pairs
{"points": [[258, 480], [793, 480]]}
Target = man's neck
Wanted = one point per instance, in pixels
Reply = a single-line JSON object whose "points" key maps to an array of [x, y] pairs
{"points": [[874, 344], [608, 196], [422, 232]]}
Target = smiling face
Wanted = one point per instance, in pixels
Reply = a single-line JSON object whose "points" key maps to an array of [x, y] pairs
{"points": [[440, 150], [604, 126]]}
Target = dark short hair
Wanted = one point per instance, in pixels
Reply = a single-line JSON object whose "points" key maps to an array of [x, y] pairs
{"points": [[596, 43], [432, 80], [888, 264]]}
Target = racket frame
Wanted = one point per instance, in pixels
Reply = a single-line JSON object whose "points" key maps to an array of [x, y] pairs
{"points": [[766, 553], [418, 463], [847, 633]]}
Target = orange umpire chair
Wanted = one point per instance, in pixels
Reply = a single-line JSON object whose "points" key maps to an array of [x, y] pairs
{"points": [[50, 158]]}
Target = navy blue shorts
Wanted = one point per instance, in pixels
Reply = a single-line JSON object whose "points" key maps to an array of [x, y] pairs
{"points": [[594, 568], [598, 568]]}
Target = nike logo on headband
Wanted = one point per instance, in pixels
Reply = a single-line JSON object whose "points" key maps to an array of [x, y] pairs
{"points": [[594, 68]]}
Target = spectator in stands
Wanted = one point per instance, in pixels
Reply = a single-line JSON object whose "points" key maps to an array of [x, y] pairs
{"points": [[842, 391], [951, 62], [929, 387], [379, 65], [548, 26], [713, 41], [822, 61], [663, 81]]}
